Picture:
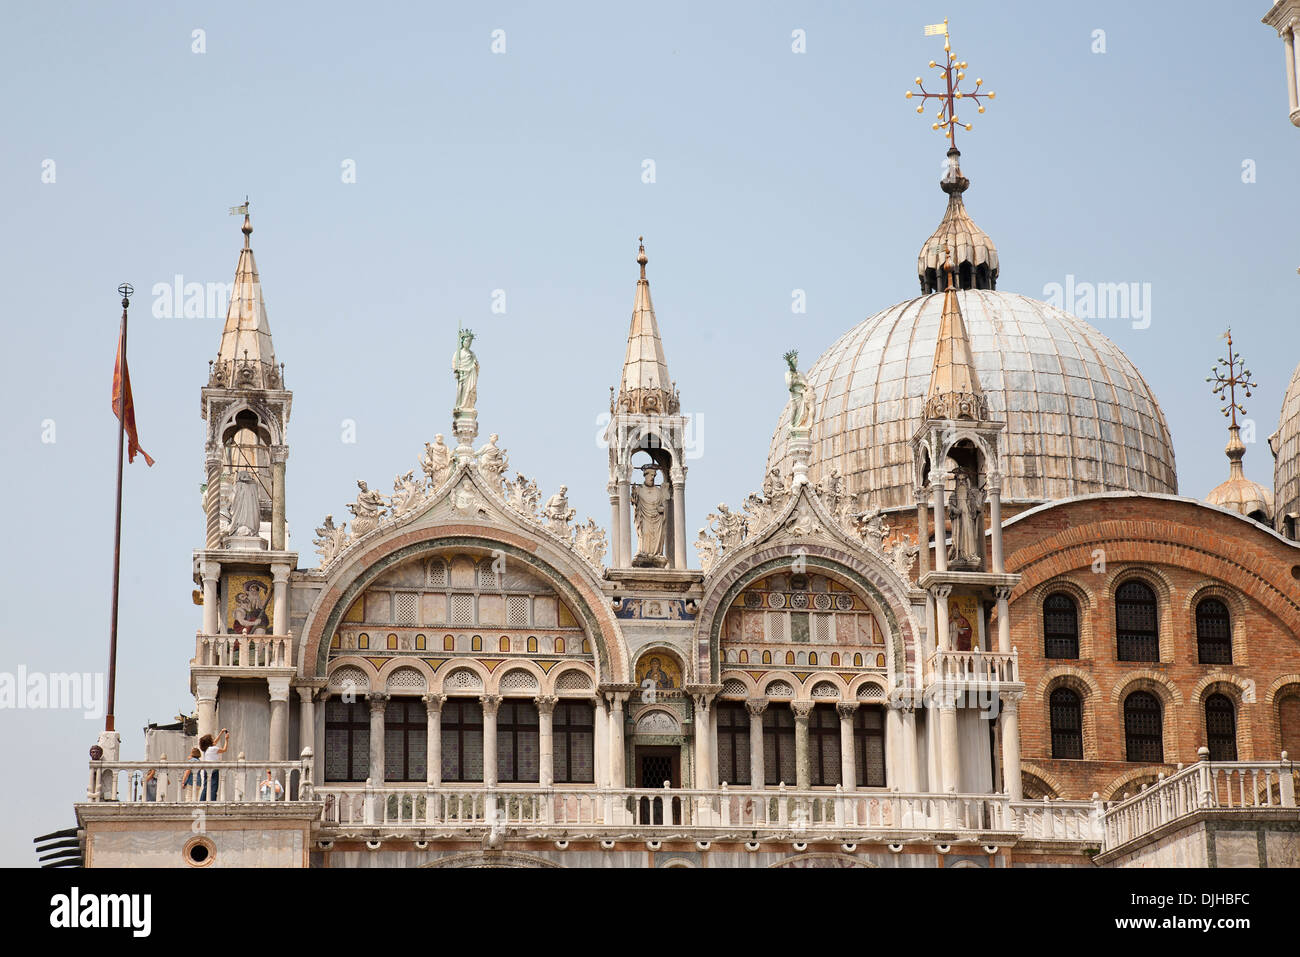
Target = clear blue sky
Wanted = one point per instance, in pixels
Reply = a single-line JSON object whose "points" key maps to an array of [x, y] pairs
{"points": [[522, 172]]}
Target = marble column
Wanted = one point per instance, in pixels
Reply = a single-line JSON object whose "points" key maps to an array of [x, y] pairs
{"points": [[948, 745], [678, 476], [907, 758], [205, 696], [279, 737], [942, 639], [1011, 781], [617, 758], [995, 523], [625, 519], [433, 743], [280, 603], [939, 481], [212, 497], [601, 741], [922, 534], [802, 763], [705, 742], [378, 702], [894, 749], [1003, 596], [1293, 94], [848, 755], [211, 613], [757, 773], [491, 703], [545, 739], [307, 724], [616, 540], [279, 455]]}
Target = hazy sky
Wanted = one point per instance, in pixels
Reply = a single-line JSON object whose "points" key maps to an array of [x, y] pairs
{"points": [[522, 171]]}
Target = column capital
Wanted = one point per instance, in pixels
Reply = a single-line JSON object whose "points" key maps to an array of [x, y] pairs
{"points": [[210, 570], [205, 687], [1003, 592], [756, 706], [278, 686], [1010, 700], [280, 572], [433, 702], [941, 592], [491, 703], [802, 709], [306, 693], [378, 700], [923, 495], [847, 709], [546, 703], [279, 454]]}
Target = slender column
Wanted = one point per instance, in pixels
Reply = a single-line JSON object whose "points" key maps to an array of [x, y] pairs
{"points": [[704, 741], [545, 739], [757, 774], [941, 638], [378, 701], [678, 476], [280, 599], [995, 522], [212, 498], [307, 720], [1003, 596], [922, 534], [279, 455], [617, 773], [433, 745], [848, 756], [205, 695], [318, 735], [625, 520], [939, 481], [616, 543], [279, 737], [802, 764], [948, 745], [490, 702], [601, 742], [211, 576], [1293, 94], [1011, 782]]}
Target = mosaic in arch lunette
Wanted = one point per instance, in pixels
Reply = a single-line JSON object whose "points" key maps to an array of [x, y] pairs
{"points": [[802, 621], [462, 604]]}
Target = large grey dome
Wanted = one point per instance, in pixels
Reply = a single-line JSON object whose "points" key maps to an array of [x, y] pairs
{"points": [[1285, 443], [1080, 418]]}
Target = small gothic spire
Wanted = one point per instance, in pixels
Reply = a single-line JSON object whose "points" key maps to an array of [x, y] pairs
{"points": [[646, 386], [970, 248], [246, 356], [955, 391], [1238, 493]]}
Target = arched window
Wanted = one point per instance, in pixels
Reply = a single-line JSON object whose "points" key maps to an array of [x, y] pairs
{"points": [[1288, 721], [1060, 627], [733, 743], [1143, 728], [778, 745], [824, 746], [462, 740], [347, 740], [1221, 727], [406, 738], [1137, 635], [573, 741], [1066, 714], [869, 745], [1213, 632]]}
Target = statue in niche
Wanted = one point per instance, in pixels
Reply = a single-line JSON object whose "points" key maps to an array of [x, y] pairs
{"points": [[464, 365], [800, 401], [493, 462], [436, 461], [966, 512], [367, 510], [245, 512], [557, 513], [650, 503]]}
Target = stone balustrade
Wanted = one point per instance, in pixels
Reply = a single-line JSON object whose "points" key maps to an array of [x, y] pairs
{"points": [[703, 812], [1206, 785], [238, 781], [244, 651], [1077, 821], [974, 667]]}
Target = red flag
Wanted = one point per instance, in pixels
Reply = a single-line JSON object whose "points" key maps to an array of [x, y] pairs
{"points": [[121, 400]]}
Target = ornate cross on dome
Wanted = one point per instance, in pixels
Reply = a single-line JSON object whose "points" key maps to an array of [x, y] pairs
{"points": [[953, 72], [1229, 374]]}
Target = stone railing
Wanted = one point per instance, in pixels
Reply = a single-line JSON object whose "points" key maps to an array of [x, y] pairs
{"points": [[1206, 785], [244, 651], [662, 810], [974, 667], [1046, 820], [178, 782]]}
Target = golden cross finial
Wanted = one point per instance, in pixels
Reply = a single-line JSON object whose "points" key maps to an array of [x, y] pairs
{"points": [[953, 72], [1229, 374]]}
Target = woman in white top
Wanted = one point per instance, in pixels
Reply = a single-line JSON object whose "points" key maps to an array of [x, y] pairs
{"points": [[213, 753]]}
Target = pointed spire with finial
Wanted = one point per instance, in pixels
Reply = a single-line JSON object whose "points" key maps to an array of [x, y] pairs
{"points": [[246, 356], [646, 386], [955, 391], [1238, 493]]}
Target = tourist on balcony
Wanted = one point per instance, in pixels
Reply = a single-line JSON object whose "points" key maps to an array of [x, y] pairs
{"points": [[212, 753], [270, 789], [192, 779]]}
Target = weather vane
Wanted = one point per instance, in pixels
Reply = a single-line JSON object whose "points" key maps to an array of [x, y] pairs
{"points": [[953, 72], [1228, 375]]}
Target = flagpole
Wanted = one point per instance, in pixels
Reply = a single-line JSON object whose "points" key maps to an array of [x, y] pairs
{"points": [[125, 290]]}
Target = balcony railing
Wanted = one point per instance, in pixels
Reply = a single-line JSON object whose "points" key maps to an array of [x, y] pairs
{"points": [[178, 782], [703, 812], [1079, 821], [1207, 785], [974, 667], [244, 651]]}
